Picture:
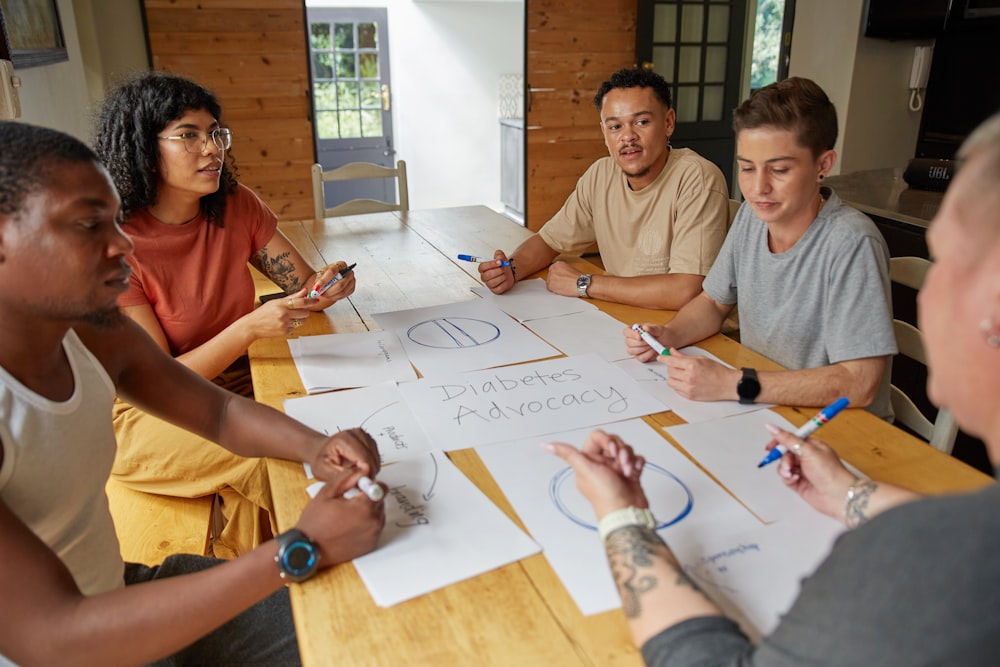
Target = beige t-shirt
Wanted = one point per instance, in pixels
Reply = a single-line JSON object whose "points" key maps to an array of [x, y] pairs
{"points": [[676, 224]]}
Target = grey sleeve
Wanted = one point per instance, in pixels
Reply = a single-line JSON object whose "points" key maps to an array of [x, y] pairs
{"points": [[720, 281], [704, 641]]}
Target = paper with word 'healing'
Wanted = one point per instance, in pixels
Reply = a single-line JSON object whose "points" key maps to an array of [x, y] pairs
{"points": [[468, 409], [343, 360], [439, 530]]}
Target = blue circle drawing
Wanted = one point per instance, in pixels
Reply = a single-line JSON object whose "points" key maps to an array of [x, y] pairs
{"points": [[451, 333], [667, 511]]}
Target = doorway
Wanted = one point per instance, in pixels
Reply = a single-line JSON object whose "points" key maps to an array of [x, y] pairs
{"points": [[351, 97]]}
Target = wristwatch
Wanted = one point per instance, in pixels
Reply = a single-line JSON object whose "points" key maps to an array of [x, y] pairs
{"points": [[297, 556], [628, 516], [582, 283], [748, 388]]}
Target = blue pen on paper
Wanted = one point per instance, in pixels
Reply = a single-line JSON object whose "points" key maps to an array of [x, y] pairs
{"points": [[807, 429], [480, 260], [317, 290], [650, 341]]}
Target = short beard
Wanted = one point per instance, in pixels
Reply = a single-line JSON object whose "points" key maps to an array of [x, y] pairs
{"points": [[105, 319]]}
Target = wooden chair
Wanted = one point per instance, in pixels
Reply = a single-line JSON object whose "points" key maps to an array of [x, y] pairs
{"points": [[910, 271], [354, 171]]}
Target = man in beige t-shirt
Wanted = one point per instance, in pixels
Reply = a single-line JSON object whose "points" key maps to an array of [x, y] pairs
{"points": [[658, 214]]}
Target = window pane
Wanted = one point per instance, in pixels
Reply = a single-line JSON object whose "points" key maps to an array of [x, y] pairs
{"points": [[326, 125], [350, 124], [691, 23], [344, 35], [712, 103], [319, 36], [367, 35], [715, 63], [690, 64], [322, 66], [663, 61], [665, 23], [347, 95], [718, 23], [325, 95], [368, 63], [371, 123], [686, 104], [766, 43], [346, 68], [371, 95]]}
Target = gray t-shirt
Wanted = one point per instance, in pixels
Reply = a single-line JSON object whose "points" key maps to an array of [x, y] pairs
{"points": [[917, 585], [824, 300]]}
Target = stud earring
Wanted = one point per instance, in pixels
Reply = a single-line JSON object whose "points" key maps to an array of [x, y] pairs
{"points": [[990, 332]]}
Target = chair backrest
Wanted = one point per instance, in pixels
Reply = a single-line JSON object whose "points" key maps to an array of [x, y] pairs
{"points": [[910, 271], [356, 171]]}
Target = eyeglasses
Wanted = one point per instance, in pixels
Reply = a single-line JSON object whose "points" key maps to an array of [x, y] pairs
{"points": [[195, 141]]}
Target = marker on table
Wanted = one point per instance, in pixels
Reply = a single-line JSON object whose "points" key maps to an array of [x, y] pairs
{"points": [[368, 487], [807, 429], [650, 341], [317, 289], [480, 260]]}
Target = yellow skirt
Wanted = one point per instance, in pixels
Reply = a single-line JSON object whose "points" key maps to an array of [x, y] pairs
{"points": [[157, 457]]}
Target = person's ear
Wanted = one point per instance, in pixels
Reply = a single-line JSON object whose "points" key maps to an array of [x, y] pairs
{"points": [[825, 163]]}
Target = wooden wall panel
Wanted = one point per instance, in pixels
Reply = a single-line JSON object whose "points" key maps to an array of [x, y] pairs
{"points": [[252, 55], [572, 47]]}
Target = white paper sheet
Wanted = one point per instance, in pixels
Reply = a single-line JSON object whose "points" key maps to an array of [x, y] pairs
{"points": [[688, 505], [468, 409], [463, 336], [439, 529], [579, 333], [652, 376], [756, 575], [340, 361], [532, 300], [379, 409]]}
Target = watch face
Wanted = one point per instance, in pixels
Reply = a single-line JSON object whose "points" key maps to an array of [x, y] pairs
{"points": [[297, 557], [300, 558]]}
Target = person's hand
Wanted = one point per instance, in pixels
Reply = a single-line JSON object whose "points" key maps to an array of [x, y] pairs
{"points": [[561, 279], [637, 347], [699, 378], [345, 457], [280, 317], [494, 275], [342, 528], [607, 471], [342, 289], [813, 470]]}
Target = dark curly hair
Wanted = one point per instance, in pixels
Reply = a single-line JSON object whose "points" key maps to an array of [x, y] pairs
{"points": [[797, 105], [634, 77], [132, 116], [27, 154]]}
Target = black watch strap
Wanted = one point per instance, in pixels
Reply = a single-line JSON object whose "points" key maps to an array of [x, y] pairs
{"points": [[748, 387]]}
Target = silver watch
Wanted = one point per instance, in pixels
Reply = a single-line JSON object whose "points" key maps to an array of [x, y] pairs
{"points": [[582, 283]]}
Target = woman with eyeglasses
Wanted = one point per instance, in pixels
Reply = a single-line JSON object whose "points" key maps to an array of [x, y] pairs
{"points": [[195, 228]]}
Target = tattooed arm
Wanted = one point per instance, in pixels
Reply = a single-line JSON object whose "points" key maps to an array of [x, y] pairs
{"points": [[281, 261]]}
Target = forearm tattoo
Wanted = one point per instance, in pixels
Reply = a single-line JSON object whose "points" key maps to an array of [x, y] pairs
{"points": [[279, 269], [633, 552], [856, 507]]}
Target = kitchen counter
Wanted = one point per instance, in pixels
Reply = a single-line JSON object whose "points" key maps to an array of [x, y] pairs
{"points": [[882, 193]]}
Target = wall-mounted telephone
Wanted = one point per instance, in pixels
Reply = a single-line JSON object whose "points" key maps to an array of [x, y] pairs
{"points": [[919, 72], [10, 104]]}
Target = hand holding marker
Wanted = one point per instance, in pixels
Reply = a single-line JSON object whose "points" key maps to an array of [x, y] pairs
{"points": [[480, 260], [650, 341], [317, 289], [368, 487], [807, 429]]}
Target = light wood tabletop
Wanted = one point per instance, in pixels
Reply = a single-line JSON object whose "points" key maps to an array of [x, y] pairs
{"points": [[519, 614]]}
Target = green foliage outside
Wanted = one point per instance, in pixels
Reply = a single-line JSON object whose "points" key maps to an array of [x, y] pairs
{"points": [[766, 43]]}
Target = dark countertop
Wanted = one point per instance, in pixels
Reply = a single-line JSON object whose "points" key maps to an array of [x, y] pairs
{"points": [[884, 193]]}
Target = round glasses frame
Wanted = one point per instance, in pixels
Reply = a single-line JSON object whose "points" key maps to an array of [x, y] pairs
{"points": [[195, 141]]}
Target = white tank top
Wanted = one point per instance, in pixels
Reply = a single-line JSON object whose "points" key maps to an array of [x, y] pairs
{"points": [[57, 457]]}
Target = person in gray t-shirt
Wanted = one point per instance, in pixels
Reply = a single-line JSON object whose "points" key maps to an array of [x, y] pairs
{"points": [[810, 275]]}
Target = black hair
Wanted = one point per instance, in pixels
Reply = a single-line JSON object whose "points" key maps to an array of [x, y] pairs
{"points": [[126, 140], [26, 154], [634, 78]]}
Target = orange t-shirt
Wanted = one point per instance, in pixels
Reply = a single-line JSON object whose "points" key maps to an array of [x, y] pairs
{"points": [[195, 275]]}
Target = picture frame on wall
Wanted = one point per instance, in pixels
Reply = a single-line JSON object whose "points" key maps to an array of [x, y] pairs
{"points": [[31, 33]]}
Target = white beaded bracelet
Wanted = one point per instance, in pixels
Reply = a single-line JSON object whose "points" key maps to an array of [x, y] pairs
{"points": [[628, 516]]}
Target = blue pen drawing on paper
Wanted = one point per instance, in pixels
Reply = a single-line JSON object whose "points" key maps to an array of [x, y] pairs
{"points": [[452, 333], [674, 498]]}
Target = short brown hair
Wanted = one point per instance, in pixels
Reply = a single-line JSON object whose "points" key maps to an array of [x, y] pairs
{"points": [[794, 104]]}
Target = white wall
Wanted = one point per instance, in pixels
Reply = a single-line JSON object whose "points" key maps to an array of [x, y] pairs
{"points": [[446, 59]]}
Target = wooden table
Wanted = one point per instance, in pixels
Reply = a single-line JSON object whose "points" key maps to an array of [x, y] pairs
{"points": [[520, 614]]}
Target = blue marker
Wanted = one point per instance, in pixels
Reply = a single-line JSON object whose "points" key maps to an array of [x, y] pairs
{"points": [[480, 260], [807, 429], [650, 341], [317, 290]]}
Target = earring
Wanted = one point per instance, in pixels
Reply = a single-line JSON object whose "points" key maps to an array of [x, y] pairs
{"points": [[822, 176], [991, 333]]}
